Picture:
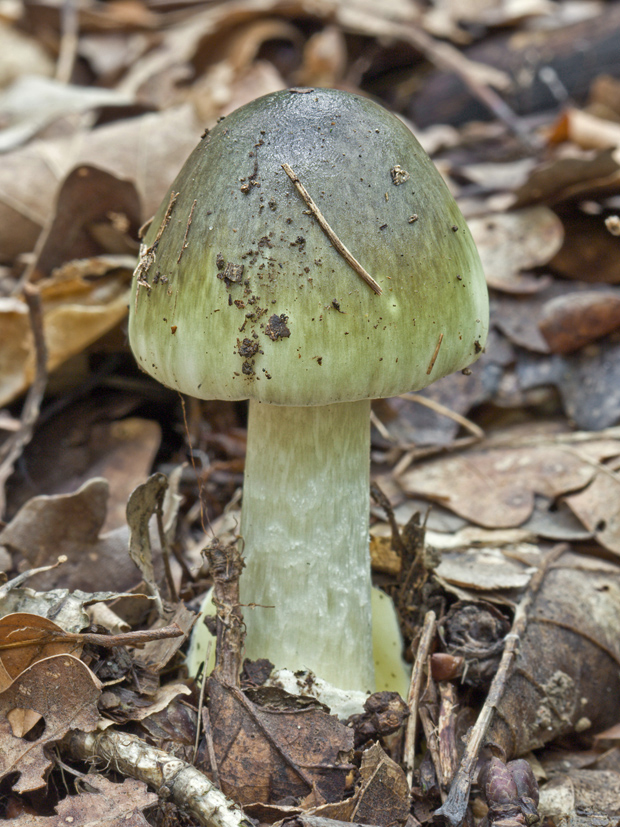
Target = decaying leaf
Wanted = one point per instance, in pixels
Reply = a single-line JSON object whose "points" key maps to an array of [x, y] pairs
{"points": [[566, 676], [267, 754], [598, 508], [383, 796], [582, 798], [146, 500], [63, 692], [570, 322], [100, 803]]}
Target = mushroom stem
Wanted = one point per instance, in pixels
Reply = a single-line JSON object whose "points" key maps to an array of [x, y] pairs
{"points": [[304, 525]]}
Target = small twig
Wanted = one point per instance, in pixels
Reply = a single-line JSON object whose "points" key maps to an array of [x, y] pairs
{"points": [[432, 744], [189, 224], [446, 733], [201, 698], [206, 725], [454, 809], [337, 243], [225, 565], [190, 789], [165, 550], [105, 641], [12, 448], [413, 698], [431, 364], [147, 254]]}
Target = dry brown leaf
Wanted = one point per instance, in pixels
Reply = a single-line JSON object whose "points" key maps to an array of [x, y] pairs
{"points": [[147, 150], [100, 803], [511, 243], [33, 102], [495, 488], [96, 213], [588, 131], [99, 440], [62, 691], [266, 754], [598, 508], [572, 321], [69, 524], [145, 501], [383, 796], [479, 570], [22, 626], [87, 310], [589, 252], [570, 176]]}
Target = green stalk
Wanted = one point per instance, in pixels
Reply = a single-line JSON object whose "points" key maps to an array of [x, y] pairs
{"points": [[304, 525]]}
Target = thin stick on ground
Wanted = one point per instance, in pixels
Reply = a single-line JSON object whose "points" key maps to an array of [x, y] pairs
{"points": [[331, 235], [455, 806], [190, 789], [11, 449], [413, 698]]}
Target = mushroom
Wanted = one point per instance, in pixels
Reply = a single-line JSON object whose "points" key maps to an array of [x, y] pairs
{"points": [[308, 257]]}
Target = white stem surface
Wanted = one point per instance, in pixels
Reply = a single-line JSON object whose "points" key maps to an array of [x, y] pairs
{"points": [[304, 525]]}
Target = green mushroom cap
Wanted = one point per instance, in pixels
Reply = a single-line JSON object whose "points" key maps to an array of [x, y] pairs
{"points": [[241, 293]]}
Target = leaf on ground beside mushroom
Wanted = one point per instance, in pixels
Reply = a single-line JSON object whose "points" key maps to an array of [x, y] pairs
{"points": [[63, 692], [496, 487], [566, 675], [22, 626], [101, 801], [598, 508], [267, 754], [512, 243], [70, 524], [582, 798], [82, 313]]}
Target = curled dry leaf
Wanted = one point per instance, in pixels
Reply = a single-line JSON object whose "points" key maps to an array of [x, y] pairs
{"points": [[96, 213], [563, 178], [511, 243], [566, 677], [63, 692], [598, 508], [145, 501]]}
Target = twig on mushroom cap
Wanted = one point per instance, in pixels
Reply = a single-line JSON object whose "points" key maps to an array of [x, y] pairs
{"points": [[338, 245]]}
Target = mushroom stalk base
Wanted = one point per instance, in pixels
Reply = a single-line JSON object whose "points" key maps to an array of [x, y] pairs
{"points": [[304, 525]]}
